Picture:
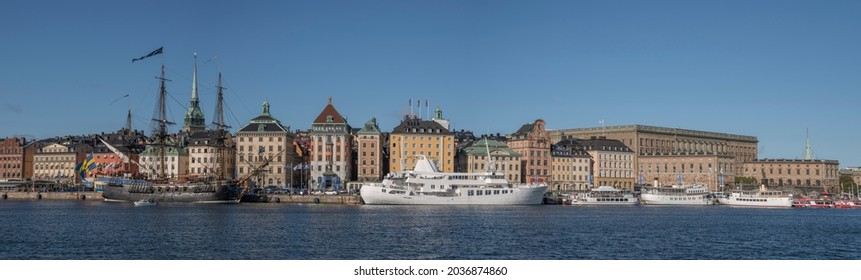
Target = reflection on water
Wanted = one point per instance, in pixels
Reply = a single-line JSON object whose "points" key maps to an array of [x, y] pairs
{"points": [[98, 230]]}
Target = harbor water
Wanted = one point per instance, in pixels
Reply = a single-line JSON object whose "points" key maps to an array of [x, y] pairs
{"points": [[95, 230]]}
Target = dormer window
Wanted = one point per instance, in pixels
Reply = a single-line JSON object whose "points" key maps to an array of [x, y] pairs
{"points": [[329, 118]]}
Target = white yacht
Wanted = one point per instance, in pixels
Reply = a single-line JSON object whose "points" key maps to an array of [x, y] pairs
{"points": [[426, 185], [761, 198], [677, 195], [605, 195]]}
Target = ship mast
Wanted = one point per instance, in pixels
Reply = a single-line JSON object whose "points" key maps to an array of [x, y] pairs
{"points": [[220, 127], [161, 123]]}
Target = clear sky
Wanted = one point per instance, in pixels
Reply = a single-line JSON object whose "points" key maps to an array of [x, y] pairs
{"points": [[770, 69]]}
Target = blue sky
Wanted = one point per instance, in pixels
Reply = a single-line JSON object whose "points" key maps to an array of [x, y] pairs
{"points": [[770, 69]]}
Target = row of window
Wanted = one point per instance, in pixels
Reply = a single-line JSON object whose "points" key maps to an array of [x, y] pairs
{"points": [[259, 139], [486, 192]]}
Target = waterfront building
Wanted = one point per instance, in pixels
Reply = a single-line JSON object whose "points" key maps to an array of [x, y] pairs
{"points": [[211, 153], [802, 174], [331, 149], [612, 161], [854, 172], [653, 140], [127, 142], [370, 156], [569, 170], [532, 142], [473, 158], [56, 161], [264, 138], [175, 164], [16, 158], [715, 170], [413, 137]]}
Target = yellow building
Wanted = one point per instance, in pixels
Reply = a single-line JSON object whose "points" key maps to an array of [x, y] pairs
{"points": [[417, 137]]}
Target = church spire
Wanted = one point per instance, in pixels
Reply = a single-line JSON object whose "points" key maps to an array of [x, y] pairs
{"points": [[808, 154], [194, 120], [194, 84]]}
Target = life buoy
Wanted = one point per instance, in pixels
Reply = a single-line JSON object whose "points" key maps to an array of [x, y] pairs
{"points": [[83, 197], [316, 201], [277, 200], [39, 196], [5, 196]]}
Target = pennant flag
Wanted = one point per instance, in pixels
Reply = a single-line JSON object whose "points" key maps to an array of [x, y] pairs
{"points": [[155, 52]]}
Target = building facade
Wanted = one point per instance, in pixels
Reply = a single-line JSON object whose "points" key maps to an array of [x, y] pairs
{"points": [[331, 150], [612, 161], [414, 136], [263, 139], [473, 158], [56, 162], [211, 154], [16, 159], [370, 143], [174, 165], [570, 170], [811, 175], [652, 140], [532, 142], [717, 171]]}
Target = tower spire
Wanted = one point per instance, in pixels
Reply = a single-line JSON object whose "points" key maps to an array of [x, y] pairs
{"points": [[808, 154], [194, 120]]}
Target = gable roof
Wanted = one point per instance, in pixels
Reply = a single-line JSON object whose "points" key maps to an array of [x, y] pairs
{"points": [[330, 111]]}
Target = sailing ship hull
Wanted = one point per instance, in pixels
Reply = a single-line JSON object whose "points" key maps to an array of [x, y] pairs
{"points": [[379, 194], [123, 190]]}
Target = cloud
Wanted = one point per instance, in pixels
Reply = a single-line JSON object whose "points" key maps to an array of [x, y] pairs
{"points": [[12, 108]]}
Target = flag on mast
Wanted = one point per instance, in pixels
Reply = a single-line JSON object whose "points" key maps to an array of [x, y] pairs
{"points": [[155, 52]]}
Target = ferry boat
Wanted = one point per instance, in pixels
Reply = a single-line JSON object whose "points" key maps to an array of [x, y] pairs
{"points": [[677, 195], [426, 185], [605, 195], [761, 198]]}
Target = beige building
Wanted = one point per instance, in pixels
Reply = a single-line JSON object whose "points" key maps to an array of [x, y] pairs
{"points": [[16, 158], [652, 140], [612, 161], [264, 139], [473, 158], [570, 170], [175, 164], [532, 142], [816, 174], [414, 136], [331, 150], [370, 143], [712, 169], [211, 154], [56, 162]]}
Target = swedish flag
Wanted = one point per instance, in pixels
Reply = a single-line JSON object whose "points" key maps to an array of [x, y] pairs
{"points": [[84, 167]]}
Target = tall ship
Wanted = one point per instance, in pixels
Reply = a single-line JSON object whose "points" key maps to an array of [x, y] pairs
{"points": [[760, 198], [426, 185], [677, 195], [160, 187], [605, 195]]}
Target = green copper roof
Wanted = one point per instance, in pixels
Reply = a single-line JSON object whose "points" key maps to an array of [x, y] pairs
{"points": [[479, 148]]}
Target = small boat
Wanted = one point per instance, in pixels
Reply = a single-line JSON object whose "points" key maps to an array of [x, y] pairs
{"points": [[146, 202]]}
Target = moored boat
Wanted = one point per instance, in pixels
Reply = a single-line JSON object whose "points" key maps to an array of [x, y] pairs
{"points": [[605, 195], [426, 185], [761, 198], [677, 195]]}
